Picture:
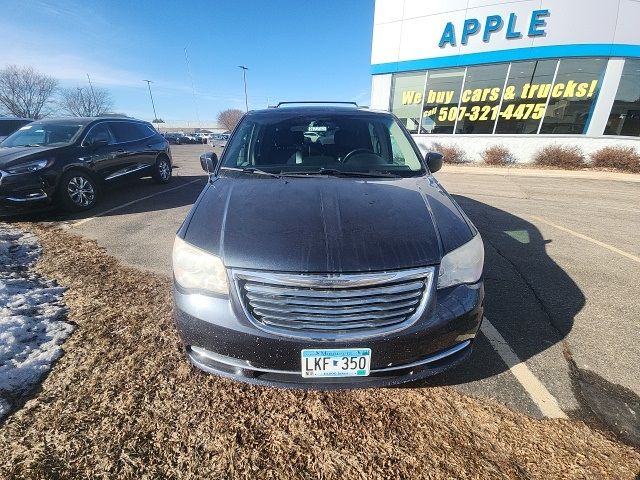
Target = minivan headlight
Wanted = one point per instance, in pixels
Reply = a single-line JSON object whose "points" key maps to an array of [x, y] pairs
{"points": [[28, 167], [462, 265], [195, 269]]}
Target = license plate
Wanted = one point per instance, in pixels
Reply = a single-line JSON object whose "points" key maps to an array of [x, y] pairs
{"points": [[349, 362]]}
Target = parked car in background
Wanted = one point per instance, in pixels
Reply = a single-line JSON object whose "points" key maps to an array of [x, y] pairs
{"points": [[170, 137], [342, 265], [202, 138], [177, 138], [220, 140], [8, 125], [66, 161], [195, 138]]}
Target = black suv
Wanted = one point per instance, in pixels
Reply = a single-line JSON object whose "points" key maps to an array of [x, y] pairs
{"points": [[8, 125], [67, 161], [327, 264]]}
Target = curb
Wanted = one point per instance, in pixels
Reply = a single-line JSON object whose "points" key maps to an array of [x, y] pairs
{"points": [[531, 172]]}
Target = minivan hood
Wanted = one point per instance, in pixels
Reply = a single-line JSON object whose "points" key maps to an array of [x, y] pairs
{"points": [[13, 155], [326, 224]]}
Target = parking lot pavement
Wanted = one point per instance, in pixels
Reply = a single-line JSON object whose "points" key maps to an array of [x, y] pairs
{"points": [[137, 220], [562, 271]]}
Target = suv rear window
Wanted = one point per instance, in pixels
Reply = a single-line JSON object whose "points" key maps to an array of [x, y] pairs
{"points": [[100, 131], [345, 142], [129, 131]]}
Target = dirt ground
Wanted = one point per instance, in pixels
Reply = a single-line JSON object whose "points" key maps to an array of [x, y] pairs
{"points": [[124, 403]]}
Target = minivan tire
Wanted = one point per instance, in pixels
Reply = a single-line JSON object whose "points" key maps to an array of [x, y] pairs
{"points": [[78, 191], [162, 170]]}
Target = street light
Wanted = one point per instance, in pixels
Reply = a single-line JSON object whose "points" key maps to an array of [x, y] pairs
{"points": [[149, 82], [93, 94], [244, 77]]}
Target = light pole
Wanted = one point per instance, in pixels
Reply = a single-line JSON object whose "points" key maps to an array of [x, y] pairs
{"points": [[93, 94], [155, 116], [244, 77]]}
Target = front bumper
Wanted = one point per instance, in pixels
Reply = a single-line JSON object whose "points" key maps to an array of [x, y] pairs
{"points": [[220, 339], [26, 191]]}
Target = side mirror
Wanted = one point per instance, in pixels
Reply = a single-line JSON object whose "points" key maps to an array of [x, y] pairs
{"points": [[434, 161], [209, 162]]}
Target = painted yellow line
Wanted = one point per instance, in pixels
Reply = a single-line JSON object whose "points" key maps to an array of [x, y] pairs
{"points": [[546, 402], [125, 205], [589, 239]]}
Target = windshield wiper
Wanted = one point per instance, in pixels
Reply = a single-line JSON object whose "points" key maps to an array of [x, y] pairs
{"points": [[29, 145], [340, 173], [256, 171]]}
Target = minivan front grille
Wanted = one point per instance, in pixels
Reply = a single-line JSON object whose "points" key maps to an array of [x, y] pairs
{"points": [[334, 306]]}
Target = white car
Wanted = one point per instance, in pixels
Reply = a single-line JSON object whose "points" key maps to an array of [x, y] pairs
{"points": [[202, 137], [220, 140], [313, 136]]}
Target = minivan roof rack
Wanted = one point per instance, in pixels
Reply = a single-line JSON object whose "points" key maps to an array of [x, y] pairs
{"points": [[314, 102]]}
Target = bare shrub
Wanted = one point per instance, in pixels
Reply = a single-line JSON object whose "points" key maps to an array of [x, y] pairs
{"points": [[560, 156], [625, 159], [230, 118], [452, 153], [25, 92], [498, 155], [86, 102]]}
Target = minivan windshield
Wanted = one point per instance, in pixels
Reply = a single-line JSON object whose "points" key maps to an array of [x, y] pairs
{"points": [[324, 144], [39, 134]]}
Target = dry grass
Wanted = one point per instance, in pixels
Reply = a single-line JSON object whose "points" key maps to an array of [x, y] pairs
{"points": [[560, 156], [452, 152], [124, 403], [498, 155], [624, 159]]}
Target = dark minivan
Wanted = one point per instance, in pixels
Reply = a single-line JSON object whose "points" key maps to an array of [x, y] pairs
{"points": [[68, 160], [333, 264]]}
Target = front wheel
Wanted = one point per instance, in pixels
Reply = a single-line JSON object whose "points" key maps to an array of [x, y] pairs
{"points": [[162, 171], [78, 191]]}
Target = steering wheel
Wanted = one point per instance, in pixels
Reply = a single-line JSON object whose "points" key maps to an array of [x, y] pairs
{"points": [[354, 152]]}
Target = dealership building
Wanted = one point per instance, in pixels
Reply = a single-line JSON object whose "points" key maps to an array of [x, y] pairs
{"points": [[550, 71]]}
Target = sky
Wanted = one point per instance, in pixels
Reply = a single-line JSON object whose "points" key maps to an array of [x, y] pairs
{"points": [[294, 49]]}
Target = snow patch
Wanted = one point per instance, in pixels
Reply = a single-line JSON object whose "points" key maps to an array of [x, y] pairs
{"points": [[32, 318]]}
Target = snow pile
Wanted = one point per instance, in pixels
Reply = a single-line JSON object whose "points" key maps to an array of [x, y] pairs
{"points": [[32, 326]]}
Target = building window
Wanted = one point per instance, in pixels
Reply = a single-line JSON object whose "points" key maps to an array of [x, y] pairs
{"points": [[480, 100], [625, 114], [406, 99], [525, 97], [441, 99], [529, 97], [573, 95]]}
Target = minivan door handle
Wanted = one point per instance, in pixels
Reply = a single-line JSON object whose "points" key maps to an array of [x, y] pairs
{"points": [[120, 150]]}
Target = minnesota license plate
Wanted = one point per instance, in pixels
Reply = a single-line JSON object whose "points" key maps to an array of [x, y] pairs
{"points": [[349, 362]]}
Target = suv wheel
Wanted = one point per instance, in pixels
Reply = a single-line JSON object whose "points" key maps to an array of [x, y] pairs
{"points": [[162, 170], [78, 191]]}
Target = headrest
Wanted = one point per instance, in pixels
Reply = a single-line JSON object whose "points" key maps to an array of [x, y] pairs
{"points": [[352, 139], [297, 137], [344, 138], [287, 138], [283, 137]]}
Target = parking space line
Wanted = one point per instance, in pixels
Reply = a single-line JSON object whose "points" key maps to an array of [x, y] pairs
{"points": [[589, 239], [543, 399], [124, 205]]}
